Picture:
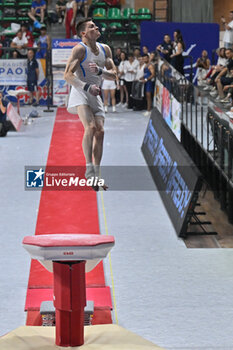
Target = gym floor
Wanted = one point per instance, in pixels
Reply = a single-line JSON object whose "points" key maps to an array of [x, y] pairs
{"points": [[176, 297]]}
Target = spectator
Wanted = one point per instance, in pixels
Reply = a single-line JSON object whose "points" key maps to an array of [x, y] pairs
{"points": [[81, 5], [203, 66], [148, 80], [109, 88], [224, 77], [38, 8], [228, 34], [130, 70], [221, 63], [4, 125], [121, 76], [140, 69], [60, 9], [177, 59], [70, 18], [136, 54], [229, 90], [145, 50], [166, 47], [27, 34], [117, 57], [19, 43], [43, 43], [152, 58], [138, 87], [32, 77]]}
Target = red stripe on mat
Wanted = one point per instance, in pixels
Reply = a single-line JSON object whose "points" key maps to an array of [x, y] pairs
{"points": [[41, 278], [66, 212]]}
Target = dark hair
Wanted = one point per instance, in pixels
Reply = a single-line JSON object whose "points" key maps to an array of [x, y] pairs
{"points": [[19, 31], [81, 25], [180, 38], [130, 55], [228, 50], [145, 55], [43, 28]]}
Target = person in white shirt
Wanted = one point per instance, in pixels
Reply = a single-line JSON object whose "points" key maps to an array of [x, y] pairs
{"points": [[228, 35], [121, 76], [130, 70], [20, 44]]}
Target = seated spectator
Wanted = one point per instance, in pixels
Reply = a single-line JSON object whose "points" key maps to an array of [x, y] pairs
{"points": [[32, 77], [20, 44], [228, 89], [203, 66], [121, 77], [148, 80], [221, 63], [60, 9], [27, 34], [130, 70], [224, 78], [166, 47], [38, 8], [43, 43], [70, 16], [81, 5], [4, 124]]}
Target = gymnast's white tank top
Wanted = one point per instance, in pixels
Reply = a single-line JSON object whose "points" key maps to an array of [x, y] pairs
{"points": [[83, 72]]}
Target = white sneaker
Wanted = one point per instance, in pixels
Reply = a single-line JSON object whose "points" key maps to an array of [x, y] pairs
{"points": [[213, 93], [147, 113], [208, 87], [213, 88], [106, 109], [60, 20], [125, 105], [119, 104], [113, 109], [218, 98]]}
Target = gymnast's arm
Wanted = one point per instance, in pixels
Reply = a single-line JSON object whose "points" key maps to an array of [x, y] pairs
{"points": [[77, 55]]}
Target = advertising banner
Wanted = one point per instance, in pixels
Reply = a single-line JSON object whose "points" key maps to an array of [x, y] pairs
{"points": [[14, 116], [60, 88], [173, 171], [61, 50]]}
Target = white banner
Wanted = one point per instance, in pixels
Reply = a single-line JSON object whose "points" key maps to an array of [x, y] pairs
{"points": [[60, 88], [13, 72]]}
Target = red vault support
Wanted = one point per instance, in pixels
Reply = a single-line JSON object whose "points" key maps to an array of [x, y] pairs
{"points": [[69, 301]]}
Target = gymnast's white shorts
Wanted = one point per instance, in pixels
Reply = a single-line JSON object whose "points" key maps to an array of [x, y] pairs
{"points": [[80, 97], [108, 85]]}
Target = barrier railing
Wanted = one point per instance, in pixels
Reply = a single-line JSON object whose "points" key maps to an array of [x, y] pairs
{"points": [[206, 133]]}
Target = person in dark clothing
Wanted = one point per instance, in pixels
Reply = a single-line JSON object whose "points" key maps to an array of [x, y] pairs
{"points": [[117, 57], [166, 47], [177, 59], [32, 77], [4, 124]]}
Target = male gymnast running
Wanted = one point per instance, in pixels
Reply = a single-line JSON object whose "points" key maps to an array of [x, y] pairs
{"points": [[84, 71]]}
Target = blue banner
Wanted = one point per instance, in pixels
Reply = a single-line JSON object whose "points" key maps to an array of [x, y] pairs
{"points": [[197, 37]]}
